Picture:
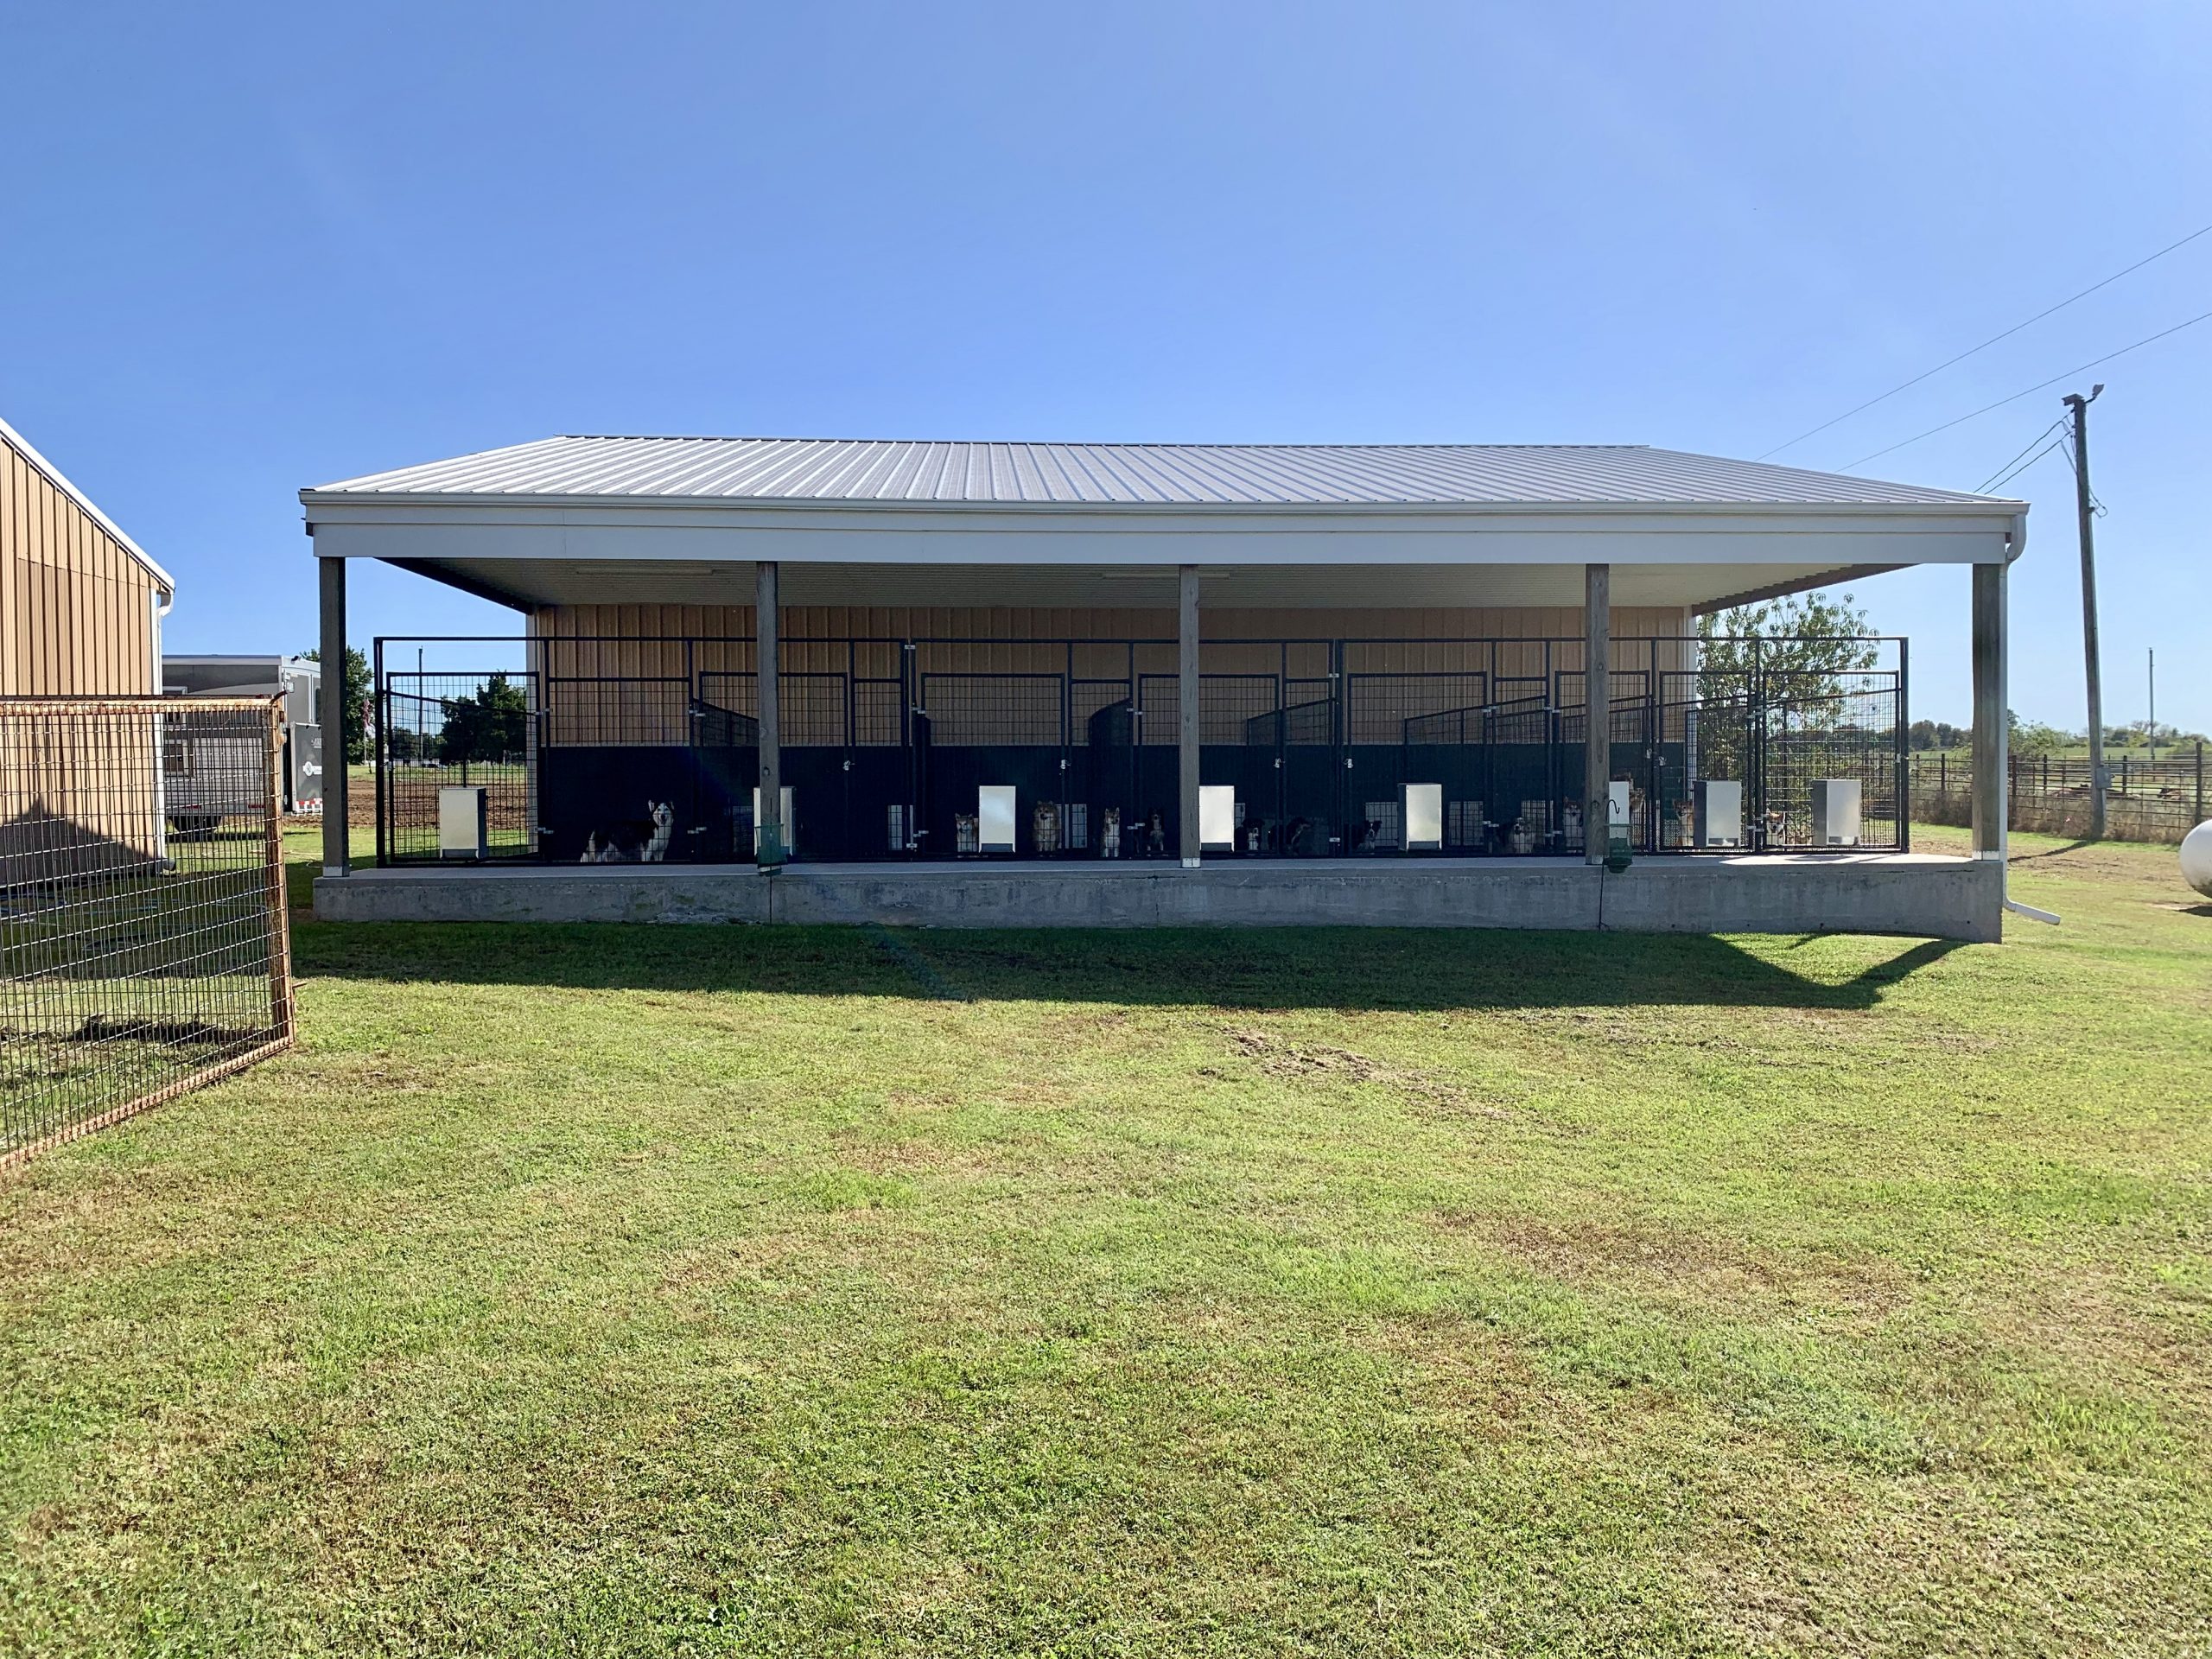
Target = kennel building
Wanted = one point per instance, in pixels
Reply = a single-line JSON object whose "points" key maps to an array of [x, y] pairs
{"points": [[1119, 683]]}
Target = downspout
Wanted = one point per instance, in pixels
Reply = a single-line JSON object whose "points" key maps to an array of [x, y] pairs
{"points": [[2017, 542]]}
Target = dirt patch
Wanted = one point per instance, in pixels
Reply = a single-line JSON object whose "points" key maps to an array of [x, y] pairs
{"points": [[1665, 1262], [1278, 1057]]}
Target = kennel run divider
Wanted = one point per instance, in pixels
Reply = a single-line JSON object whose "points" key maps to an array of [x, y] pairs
{"points": [[144, 941], [889, 745]]}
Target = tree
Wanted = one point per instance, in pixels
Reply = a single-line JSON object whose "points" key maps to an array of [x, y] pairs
{"points": [[491, 723], [2031, 738], [354, 693], [1803, 643]]}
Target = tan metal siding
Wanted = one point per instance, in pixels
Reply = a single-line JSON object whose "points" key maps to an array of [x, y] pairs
{"points": [[631, 640], [599, 660], [76, 609]]}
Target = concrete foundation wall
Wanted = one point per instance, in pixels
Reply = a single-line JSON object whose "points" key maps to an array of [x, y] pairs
{"points": [[1920, 896]]}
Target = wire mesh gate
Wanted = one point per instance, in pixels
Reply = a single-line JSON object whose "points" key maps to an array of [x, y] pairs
{"points": [[143, 948], [893, 748]]}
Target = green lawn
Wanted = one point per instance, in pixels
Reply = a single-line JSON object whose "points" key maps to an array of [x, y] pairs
{"points": [[709, 1290]]}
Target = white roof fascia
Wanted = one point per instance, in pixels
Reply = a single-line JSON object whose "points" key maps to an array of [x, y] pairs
{"points": [[1506, 533], [54, 476]]}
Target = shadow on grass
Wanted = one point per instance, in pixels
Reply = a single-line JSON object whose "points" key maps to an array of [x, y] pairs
{"points": [[2051, 852], [1255, 969]]}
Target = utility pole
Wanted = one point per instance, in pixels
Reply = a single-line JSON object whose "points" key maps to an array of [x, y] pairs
{"points": [[2080, 405], [2153, 733]]}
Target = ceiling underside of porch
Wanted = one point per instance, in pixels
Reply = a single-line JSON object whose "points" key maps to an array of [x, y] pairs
{"points": [[528, 584]]}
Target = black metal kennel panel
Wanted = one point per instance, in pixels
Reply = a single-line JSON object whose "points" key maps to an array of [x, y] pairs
{"points": [[1838, 728], [1274, 739], [1708, 728], [1103, 739], [888, 746], [1404, 728], [616, 748], [974, 731], [842, 755], [1240, 749], [458, 730], [1526, 783], [1309, 729]]}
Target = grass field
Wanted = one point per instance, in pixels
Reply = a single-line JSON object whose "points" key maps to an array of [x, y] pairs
{"points": [[705, 1290]]}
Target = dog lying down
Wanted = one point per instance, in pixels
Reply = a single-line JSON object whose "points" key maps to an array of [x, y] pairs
{"points": [[639, 842]]}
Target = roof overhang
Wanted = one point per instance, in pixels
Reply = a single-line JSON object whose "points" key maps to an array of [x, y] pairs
{"points": [[538, 551], [526, 584]]}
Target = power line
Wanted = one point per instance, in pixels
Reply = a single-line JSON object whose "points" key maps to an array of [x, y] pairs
{"points": [[2038, 386], [1986, 344], [2005, 471], [2012, 472]]}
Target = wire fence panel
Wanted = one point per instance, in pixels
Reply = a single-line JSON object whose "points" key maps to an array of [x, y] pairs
{"points": [[2157, 800], [1846, 735], [143, 938]]}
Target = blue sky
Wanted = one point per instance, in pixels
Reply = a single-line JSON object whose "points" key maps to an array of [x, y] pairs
{"points": [[247, 249]]}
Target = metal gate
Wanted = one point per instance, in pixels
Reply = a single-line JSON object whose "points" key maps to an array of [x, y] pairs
{"points": [[481, 730]]}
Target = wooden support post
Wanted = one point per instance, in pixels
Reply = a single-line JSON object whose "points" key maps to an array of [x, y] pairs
{"points": [[1186, 663], [337, 855], [1992, 743], [771, 839], [1597, 709]]}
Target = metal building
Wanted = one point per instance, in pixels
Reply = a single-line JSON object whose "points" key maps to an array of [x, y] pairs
{"points": [[81, 604], [296, 681], [1112, 684]]}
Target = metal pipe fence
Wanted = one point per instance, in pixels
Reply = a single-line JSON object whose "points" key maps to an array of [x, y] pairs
{"points": [[143, 947], [2145, 800], [888, 746]]}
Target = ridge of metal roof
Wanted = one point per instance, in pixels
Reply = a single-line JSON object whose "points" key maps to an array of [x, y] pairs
{"points": [[829, 472], [54, 476]]}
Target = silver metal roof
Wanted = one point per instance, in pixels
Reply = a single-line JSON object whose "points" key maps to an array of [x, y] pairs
{"points": [[832, 470]]}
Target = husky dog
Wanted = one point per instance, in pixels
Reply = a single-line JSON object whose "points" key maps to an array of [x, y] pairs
{"points": [[1155, 835], [1110, 844], [641, 842]]}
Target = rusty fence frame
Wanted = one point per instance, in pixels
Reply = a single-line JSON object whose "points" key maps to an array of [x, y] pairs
{"points": [[263, 817]]}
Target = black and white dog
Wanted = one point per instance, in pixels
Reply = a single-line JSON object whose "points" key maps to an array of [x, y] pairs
{"points": [[639, 842]]}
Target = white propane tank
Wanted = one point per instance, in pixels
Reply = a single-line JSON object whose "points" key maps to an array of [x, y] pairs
{"points": [[2196, 858]]}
